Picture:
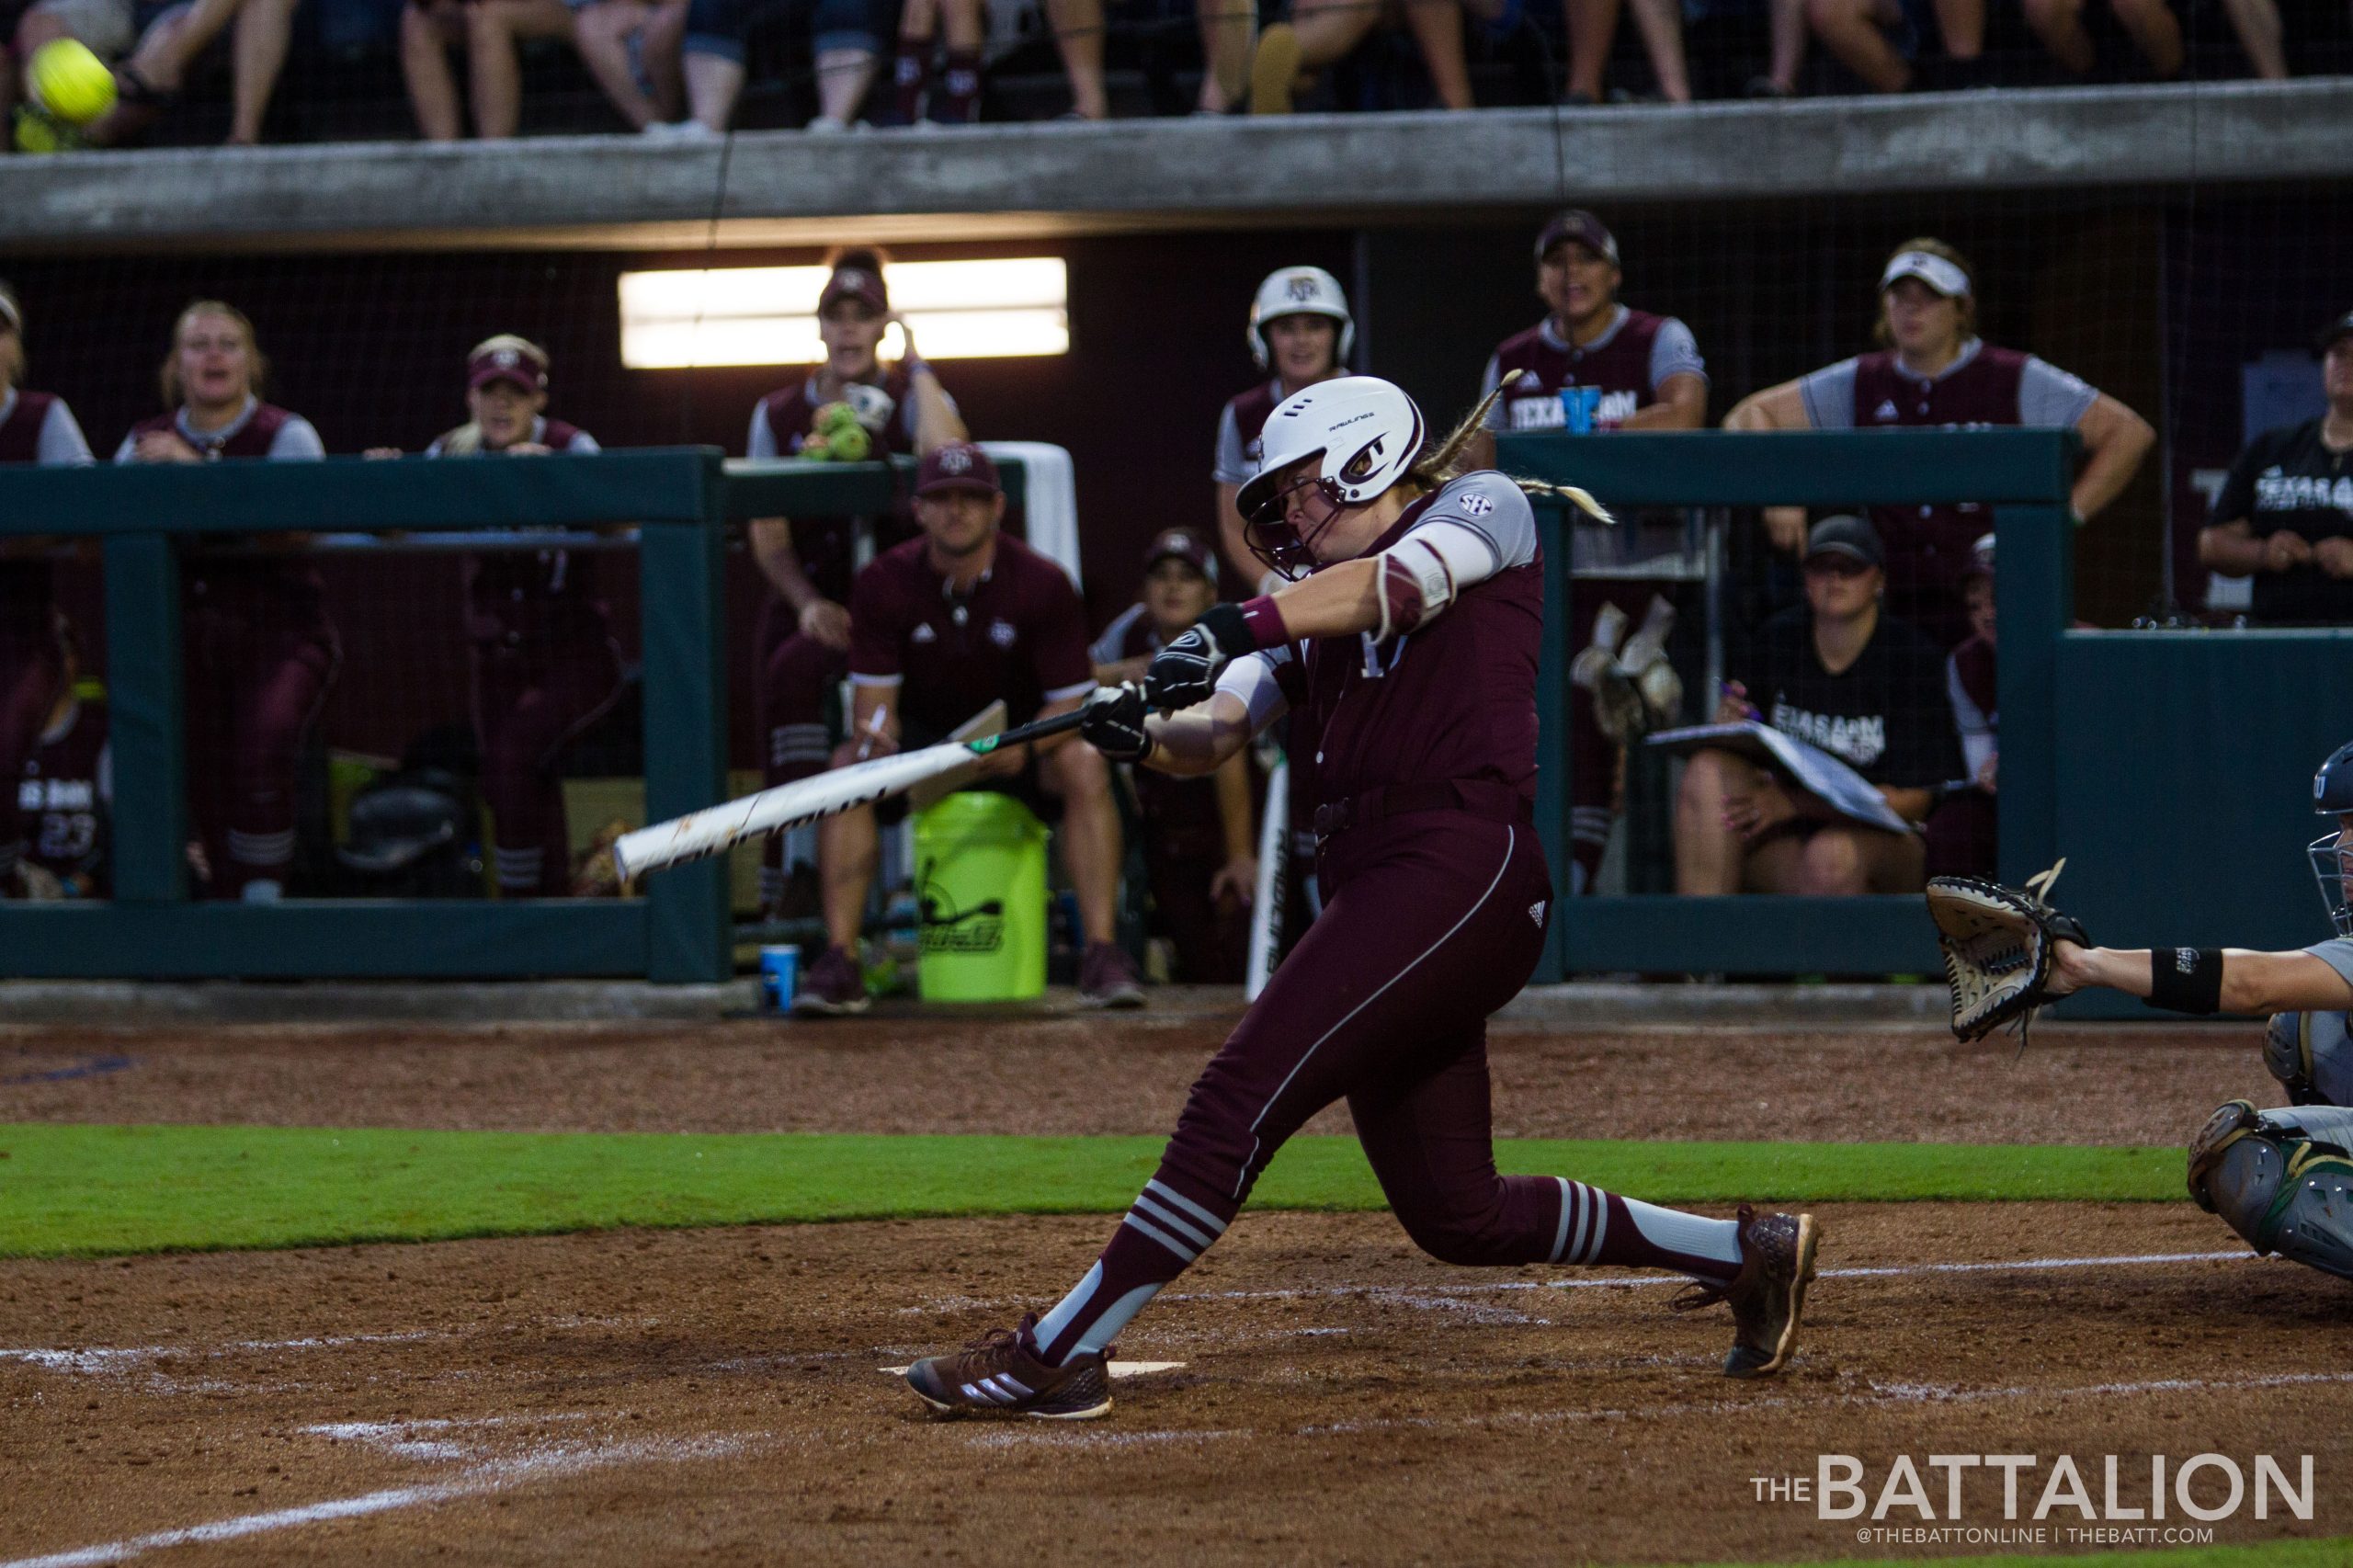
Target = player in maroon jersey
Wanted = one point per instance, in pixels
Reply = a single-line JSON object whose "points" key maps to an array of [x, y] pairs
{"points": [[1935, 371], [1301, 330], [545, 665], [65, 789], [803, 636], [261, 652], [35, 428], [942, 626], [1407, 656], [1199, 848], [1641, 372]]}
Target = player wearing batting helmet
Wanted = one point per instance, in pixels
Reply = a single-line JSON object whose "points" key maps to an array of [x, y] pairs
{"points": [[545, 665], [261, 651], [1299, 330], [1405, 653], [2279, 1178], [805, 630], [35, 428]]}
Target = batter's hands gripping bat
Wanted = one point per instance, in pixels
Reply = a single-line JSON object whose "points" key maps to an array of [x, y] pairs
{"points": [[716, 829]]}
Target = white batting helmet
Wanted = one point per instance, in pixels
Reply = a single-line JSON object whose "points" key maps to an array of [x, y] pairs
{"points": [[1300, 291], [1365, 432]]}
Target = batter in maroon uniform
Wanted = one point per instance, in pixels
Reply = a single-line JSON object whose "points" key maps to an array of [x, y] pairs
{"points": [[1199, 848], [35, 428], [1934, 370], [261, 652], [804, 631], [545, 665], [944, 625], [1642, 373], [65, 790], [1408, 658]]}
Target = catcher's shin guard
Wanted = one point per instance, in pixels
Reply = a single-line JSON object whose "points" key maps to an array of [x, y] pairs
{"points": [[2282, 1179], [2310, 1056]]}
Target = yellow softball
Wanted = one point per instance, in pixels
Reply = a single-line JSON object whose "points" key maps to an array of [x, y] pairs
{"points": [[70, 81]]}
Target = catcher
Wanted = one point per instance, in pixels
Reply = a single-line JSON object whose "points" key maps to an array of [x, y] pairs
{"points": [[2278, 1177]]}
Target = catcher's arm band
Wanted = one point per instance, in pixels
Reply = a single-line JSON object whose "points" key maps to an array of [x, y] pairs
{"points": [[1999, 944]]}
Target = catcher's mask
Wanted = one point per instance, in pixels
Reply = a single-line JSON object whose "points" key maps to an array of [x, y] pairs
{"points": [[2331, 857]]}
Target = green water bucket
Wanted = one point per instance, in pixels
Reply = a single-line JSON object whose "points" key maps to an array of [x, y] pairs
{"points": [[980, 883]]}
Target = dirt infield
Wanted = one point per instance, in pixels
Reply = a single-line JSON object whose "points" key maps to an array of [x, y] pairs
{"points": [[714, 1395]]}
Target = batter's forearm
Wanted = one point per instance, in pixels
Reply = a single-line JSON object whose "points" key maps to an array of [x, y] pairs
{"points": [[1199, 738], [1338, 601]]}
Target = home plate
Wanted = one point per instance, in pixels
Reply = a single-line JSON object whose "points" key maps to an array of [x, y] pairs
{"points": [[1119, 1368]]}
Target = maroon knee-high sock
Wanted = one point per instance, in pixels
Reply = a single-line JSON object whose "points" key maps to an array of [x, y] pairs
{"points": [[1171, 1223]]}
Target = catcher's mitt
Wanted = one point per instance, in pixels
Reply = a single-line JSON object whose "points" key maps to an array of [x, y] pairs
{"points": [[1997, 944]]}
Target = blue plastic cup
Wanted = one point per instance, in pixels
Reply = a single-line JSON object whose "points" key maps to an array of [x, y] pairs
{"points": [[780, 977], [1578, 405]]}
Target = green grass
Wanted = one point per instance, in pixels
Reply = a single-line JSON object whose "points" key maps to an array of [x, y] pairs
{"points": [[70, 1191], [2335, 1553]]}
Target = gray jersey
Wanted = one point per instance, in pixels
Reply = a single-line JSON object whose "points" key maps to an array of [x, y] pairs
{"points": [[2337, 954], [2049, 397]]}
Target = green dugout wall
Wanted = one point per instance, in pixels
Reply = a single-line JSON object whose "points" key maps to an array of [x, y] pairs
{"points": [[2172, 768]]}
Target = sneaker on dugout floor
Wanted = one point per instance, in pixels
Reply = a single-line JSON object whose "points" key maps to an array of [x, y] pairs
{"points": [[1767, 1296], [1107, 977], [833, 985], [996, 1375]]}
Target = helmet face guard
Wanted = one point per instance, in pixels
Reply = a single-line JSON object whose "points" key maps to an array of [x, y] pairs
{"points": [[1269, 532], [2331, 857]]}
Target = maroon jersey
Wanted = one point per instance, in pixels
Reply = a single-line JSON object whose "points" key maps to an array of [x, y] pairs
{"points": [[514, 597], [1239, 428], [259, 588], [781, 425], [64, 795], [1021, 635], [25, 585], [1627, 364], [1452, 700], [1973, 676]]}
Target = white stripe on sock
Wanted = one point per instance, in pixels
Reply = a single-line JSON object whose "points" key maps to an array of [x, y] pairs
{"points": [[1131, 1218], [1107, 1328], [1167, 1218], [1049, 1327], [1561, 1235], [1716, 1239], [1216, 1226]]}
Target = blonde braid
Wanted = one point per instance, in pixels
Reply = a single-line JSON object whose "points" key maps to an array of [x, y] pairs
{"points": [[1439, 467]]}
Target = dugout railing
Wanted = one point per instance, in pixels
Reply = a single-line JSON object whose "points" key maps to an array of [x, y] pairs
{"points": [[682, 501]]}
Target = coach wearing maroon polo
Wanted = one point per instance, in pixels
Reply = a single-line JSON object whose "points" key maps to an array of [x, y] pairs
{"points": [[1641, 372], [1934, 370], [941, 627]]}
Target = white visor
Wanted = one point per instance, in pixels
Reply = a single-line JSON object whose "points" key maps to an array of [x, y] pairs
{"points": [[1934, 270]]}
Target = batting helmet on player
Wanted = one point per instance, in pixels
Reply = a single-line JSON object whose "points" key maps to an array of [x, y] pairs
{"points": [[1362, 434], [1300, 291], [2332, 852]]}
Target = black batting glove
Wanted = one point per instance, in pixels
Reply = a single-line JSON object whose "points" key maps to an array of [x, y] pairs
{"points": [[1113, 723], [1184, 672]]}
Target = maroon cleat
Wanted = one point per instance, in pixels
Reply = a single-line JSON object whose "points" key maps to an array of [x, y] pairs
{"points": [[1107, 978], [1767, 1296], [996, 1375], [833, 985]]}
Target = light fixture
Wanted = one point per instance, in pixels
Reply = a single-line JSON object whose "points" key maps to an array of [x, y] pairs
{"points": [[767, 315]]}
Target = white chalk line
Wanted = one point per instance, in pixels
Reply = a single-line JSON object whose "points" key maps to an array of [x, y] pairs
{"points": [[495, 1476], [118, 1359]]}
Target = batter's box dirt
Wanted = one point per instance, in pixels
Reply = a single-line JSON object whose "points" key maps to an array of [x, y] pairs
{"points": [[635, 1398]]}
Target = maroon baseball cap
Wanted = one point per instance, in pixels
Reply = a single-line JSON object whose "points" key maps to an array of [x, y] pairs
{"points": [[2341, 327], [507, 357], [856, 281], [1177, 544], [959, 465], [1582, 226]]}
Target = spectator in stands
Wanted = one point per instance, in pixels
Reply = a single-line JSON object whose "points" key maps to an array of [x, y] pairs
{"points": [[1322, 33], [492, 32], [1199, 848], [631, 47], [156, 57], [35, 428], [943, 625], [1301, 329], [1637, 372], [1592, 31], [1934, 370], [65, 789], [2154, 30], [1879, 39], [545, 665], [845, 40], [261, 652], [804, 631], [1964, 830], [958, 101], [1227, 28], [1851, 680], [2285, 515]]}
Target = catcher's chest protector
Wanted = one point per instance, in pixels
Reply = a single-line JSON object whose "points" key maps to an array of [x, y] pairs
{"points": [[2282, 1180]]}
